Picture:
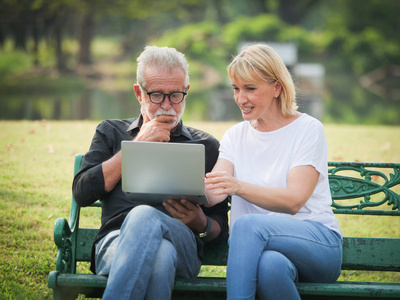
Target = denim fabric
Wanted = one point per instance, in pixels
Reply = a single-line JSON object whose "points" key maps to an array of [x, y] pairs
{"points": [[143, 258], [268, 254]]}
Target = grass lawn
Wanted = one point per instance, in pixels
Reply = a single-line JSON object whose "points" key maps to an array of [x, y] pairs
{"points": [[36, 165]]}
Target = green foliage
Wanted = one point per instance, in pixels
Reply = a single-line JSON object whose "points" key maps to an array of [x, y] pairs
{"points": [[367, 41], [198, 41], [14, 62], [363, 43], [364, 51], [207, 42], [352, 104], [263, 27], [270, 28]]}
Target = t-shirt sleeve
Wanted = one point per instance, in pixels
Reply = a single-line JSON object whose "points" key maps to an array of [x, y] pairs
{"points": [[226, 148], [313, 149]]}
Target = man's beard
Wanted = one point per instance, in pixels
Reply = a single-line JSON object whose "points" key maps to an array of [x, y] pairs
{"points": [[160, 111]]}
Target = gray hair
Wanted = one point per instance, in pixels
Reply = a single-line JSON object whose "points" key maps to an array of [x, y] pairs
{"points": [[162, 57]]}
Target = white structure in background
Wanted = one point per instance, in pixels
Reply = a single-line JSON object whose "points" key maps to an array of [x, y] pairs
{"points": [[287, 51], [310, 84]]}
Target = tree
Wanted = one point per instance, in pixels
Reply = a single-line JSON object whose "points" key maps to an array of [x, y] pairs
{"points": [[15, 16], [86, 31], [294, 12], [368, 41]]}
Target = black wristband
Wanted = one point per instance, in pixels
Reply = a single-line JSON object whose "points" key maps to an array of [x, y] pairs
{"points": [[204, 234]]}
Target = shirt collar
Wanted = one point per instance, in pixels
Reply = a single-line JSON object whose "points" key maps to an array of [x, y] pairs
{"points": [[181, 130], [137, 123]]}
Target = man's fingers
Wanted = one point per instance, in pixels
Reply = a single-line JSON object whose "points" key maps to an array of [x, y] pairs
{"points": [[189, 205], [157, 130], [176, 206], [165, 119], [172, 210]]}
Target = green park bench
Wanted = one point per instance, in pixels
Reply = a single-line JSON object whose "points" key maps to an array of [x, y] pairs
{"points": [[367, 189]]}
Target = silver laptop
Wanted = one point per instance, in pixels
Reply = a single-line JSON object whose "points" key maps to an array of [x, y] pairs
{"points": [[155, 172]]}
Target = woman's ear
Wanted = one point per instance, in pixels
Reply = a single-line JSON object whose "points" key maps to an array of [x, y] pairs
{"points": [[278, 89]]}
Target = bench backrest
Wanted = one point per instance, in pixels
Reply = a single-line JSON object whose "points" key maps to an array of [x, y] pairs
{"points": [[357, 188]]}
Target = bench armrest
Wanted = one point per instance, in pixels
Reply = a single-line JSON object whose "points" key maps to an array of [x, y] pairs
{"points": [[62, 235]]}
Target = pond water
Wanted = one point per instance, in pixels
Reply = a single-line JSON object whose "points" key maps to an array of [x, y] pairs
{"points": [[342, 100]]}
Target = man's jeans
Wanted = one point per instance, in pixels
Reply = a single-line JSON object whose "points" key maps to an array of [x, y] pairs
{"points": [[143, 258], [268, 254]]}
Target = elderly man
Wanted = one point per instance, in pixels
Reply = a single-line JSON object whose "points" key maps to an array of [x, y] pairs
{"points": [[143, 248]]}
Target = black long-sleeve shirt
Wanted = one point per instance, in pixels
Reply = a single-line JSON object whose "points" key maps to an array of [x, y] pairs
{"points": [[88, 184]]}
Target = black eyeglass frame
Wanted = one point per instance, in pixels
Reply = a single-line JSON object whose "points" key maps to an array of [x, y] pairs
{"points": [[164, 95]]}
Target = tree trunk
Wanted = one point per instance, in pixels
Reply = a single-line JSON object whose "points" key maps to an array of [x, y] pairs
{"points": [[35, 35], [61, 66], [2, 38], [86, 35], [19, 35]]}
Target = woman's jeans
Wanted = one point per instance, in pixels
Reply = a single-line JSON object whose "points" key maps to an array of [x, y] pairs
{"points": [[268, 254], [143, 258]]}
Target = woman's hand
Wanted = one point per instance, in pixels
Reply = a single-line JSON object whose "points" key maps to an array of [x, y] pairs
{"points": [[222, 183], [215, 193]]}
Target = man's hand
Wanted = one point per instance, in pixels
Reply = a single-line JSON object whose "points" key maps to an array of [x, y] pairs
{"points": [[190, 214], [156, 130]]}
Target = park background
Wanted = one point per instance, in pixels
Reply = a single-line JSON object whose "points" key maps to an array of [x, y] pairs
{"points": [[67, 64]]}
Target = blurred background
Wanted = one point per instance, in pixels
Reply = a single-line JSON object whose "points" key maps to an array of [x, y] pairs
{"points": [[76, 59]]}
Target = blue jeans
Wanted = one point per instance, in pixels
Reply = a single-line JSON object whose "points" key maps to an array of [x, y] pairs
{"points": [[268, 254], [144, 256]]}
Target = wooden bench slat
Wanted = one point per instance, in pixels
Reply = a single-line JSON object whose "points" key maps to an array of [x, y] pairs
{"points": [[218, 285], [381, 254], [88, 280], [340, 288], [352, 289]]}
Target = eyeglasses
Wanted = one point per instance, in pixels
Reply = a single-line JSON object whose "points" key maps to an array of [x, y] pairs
{"points": [[158, 97]]}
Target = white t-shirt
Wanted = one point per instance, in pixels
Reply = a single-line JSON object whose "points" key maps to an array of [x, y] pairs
{"points": [[265, 159]]}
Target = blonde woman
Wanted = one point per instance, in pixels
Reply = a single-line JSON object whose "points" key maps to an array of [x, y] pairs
{"points": [[274, 165]]}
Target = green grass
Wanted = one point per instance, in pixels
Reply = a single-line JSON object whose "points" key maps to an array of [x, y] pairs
{"points": [[36, 166]]}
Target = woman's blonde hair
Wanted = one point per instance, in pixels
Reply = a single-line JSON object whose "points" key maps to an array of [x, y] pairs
{"points": [[261, 63]]}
